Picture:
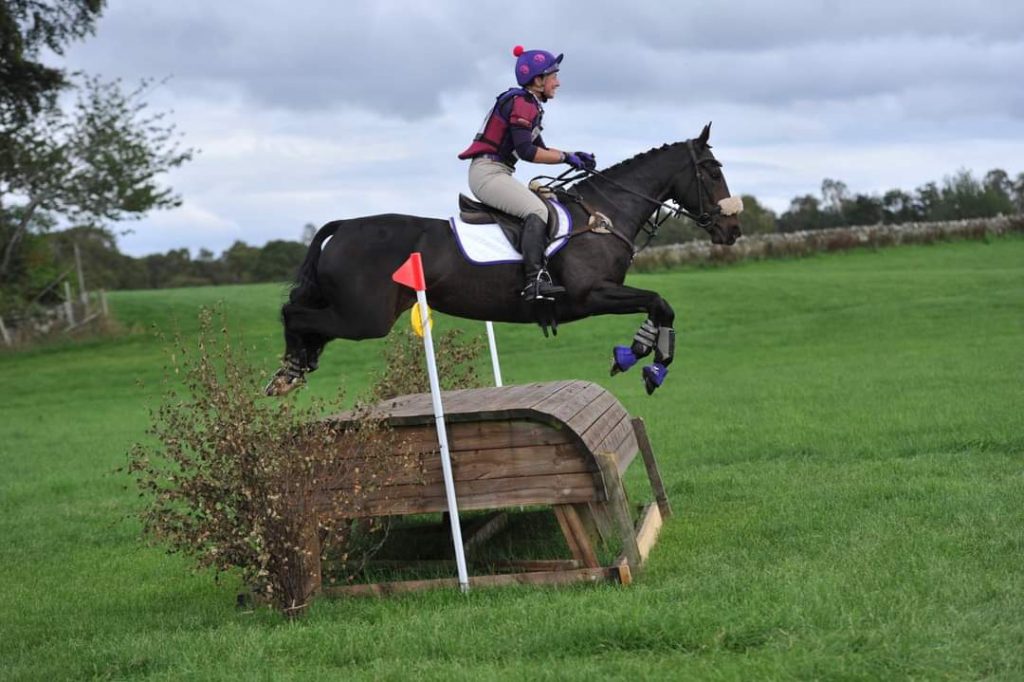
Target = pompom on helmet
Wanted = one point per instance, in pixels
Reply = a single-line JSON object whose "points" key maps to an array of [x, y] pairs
{"points": [[533, 63]]}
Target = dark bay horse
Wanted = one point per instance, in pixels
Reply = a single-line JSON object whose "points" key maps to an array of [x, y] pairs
{"points": [[344, 288]]}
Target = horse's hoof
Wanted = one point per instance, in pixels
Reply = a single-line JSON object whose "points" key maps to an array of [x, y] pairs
{"points": [[282, 383], [623, 358], [654, 376]]}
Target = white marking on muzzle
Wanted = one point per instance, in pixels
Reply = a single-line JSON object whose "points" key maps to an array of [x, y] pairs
{"points": [[731, 205]]}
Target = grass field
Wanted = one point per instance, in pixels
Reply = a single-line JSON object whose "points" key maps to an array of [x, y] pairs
{"points": [[841, 436]]}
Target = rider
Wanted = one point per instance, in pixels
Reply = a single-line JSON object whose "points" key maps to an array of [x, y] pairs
{"points": [[511, 132]]}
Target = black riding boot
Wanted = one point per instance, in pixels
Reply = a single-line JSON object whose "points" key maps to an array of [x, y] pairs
{"points": [[538, 284]]}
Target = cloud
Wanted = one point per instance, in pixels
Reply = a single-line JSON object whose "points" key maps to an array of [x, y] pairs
{"points": [[320, 110]]}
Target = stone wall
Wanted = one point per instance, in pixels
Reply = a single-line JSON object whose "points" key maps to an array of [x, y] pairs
{"points": [[797, 244]]}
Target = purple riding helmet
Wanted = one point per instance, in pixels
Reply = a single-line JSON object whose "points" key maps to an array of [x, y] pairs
{"points": [[533, 63]]}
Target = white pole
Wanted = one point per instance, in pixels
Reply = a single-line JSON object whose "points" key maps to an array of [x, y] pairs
{"points": [[494, 353], [442, 437]]}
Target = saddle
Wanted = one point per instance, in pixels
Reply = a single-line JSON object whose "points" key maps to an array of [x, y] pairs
{"points": [[477, 213]]}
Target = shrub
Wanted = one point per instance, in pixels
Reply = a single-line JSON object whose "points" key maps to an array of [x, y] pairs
{"points": [[235, 481]]}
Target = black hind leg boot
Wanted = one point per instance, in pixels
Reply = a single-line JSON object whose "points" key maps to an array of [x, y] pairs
{"points": [[537, 281]]}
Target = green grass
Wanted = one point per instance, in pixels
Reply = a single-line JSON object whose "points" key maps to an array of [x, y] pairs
{"points": [[841, 437]]}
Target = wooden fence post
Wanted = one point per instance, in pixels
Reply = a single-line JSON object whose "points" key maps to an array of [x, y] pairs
{"points": [[4, 333], [69, 306]]}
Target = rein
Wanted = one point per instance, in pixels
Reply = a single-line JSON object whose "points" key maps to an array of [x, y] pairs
{"points": [[703, 219]]}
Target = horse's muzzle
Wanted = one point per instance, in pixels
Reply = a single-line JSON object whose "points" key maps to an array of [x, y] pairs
{"points": [[725, 234]]}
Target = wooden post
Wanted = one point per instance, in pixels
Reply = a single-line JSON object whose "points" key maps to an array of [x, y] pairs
{"points": [[69, 306], [5, 334], [82, 295], [103, 303], [618, 506], [657, 485], [576, 535]]}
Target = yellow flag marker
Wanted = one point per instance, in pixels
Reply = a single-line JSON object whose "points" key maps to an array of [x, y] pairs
{"points": [[417, 323]]}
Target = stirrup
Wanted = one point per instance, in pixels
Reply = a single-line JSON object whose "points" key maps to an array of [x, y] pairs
{"points": [[541, 288]]}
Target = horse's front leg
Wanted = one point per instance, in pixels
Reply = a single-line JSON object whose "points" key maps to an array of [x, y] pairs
{"points": [[655, 334]]}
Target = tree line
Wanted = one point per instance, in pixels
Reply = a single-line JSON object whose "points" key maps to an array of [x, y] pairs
{"points": [[957, 197]]}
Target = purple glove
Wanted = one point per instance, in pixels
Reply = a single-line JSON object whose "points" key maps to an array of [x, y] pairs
{"points": [[581, 160]]}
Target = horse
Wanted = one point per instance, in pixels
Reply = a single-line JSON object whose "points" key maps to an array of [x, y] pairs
{"points": [[344, 288]]}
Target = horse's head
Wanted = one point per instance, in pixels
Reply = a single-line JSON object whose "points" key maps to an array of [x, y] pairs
{"points": [[701, 189]]}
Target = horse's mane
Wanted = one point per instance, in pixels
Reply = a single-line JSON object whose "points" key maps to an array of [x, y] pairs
{"points": [[642, 155]]}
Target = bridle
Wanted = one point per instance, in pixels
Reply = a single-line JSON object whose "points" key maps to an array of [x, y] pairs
{"points": [[704, 219]]}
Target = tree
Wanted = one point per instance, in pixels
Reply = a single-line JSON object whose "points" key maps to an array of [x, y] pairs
{"points": [[27, 26], [804, 214], [1018, 193], [86, 165], [899, 207], [97, 164], [862, 209], [928, 202], [757, 219], [240, 262], [278, 261]]}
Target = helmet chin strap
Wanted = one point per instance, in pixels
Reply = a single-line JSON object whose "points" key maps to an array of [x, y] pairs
{"points": [[538, 93]]}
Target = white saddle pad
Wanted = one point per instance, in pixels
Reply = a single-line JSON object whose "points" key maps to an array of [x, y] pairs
{"points": [[487, 244]]}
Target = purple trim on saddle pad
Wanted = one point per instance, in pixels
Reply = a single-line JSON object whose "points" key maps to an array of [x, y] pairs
{"points": [[489, 246]]}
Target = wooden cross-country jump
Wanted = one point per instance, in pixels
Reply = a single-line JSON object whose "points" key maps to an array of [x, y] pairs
{"points": [[564, 444]]}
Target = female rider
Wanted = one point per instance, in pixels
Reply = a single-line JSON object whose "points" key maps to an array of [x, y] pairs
{"points": [[511, 132]]}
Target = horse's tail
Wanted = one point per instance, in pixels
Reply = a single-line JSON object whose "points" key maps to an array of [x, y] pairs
{"points": [[306, 289]]}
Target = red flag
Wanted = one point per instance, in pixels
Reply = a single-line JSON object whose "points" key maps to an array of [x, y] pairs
{"points": [[411, 273]]}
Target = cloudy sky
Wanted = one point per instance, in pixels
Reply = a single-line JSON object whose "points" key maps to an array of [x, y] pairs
{"points": [[310, 111]]}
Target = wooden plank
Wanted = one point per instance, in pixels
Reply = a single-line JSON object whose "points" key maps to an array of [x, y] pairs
{"points": [[596, 433], [520, 462], [591, 575], [590, 415], [477, 465], [477, 536], [514, 397], [552, 484], [647, 531], [587, 519], [575, 535], [504, 434], [418, 407], [467, 465], [520, 566], [567, 403], [618, 506], [485, 494], [625, 575], [651, 464], [602, 521], [467, 436], [620, 441]]}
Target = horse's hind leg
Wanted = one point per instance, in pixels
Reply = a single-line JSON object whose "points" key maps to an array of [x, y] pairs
{"points": [[307, 330]]}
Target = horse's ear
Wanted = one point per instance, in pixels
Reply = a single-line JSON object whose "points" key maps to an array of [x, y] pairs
{"points": [[705, 134]]}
